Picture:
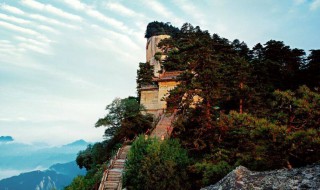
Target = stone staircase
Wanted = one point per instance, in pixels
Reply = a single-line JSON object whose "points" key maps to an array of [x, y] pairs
{"points": [[112, 177], [164, 126]]}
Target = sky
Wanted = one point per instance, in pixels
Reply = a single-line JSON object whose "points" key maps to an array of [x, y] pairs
{"points": [[63, 61]]}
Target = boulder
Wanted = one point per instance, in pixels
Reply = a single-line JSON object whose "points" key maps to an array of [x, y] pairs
{"points": [[299, 178]]}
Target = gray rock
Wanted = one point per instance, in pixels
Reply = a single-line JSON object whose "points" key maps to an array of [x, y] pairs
{"points": [[299, 178]]}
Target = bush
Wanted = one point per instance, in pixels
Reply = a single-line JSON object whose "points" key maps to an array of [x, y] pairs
{"points": [[212, 173], [154, 164]]}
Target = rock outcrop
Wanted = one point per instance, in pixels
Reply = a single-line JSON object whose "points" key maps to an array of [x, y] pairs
{"points": [[151, 49], [298, 178]]}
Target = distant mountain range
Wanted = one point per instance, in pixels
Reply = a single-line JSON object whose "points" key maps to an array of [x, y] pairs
{"points": [[16, 158], [56, 177]]}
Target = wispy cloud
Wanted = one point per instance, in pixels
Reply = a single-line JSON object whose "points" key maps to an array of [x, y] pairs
{"points": [[27, 22], [18, 28], [40, 39], [315, 5], [48, 29], [51, 21], [14, 19], [11, 9], [122, 10], [50, 9], [37, 17], [189, 8], [30, 40], [161, 10], [76, 4], [9, 50], [124, 39]]}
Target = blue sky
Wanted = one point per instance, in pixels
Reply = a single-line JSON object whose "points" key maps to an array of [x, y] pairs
{"points": [[63, 61]]}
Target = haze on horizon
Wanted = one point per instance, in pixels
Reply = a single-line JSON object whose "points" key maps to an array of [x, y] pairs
{"points": [[63, 61]]}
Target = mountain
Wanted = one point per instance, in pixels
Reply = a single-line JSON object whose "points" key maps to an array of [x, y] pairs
{"points": [[6, 139], [56, 177], [80, 142], [17, 157], [69, 169]]}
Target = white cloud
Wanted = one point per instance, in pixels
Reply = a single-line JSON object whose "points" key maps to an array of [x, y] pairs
{"points": [[29, 40], [51, 21], [14, 19], [190, 9], [163, 11], [39, 44], [48, 29], [76, 4], [11, 9], [34, 48], [119, 8], [124, 39], [51, 9], [315, 5], [18, 28], [37, 17]]}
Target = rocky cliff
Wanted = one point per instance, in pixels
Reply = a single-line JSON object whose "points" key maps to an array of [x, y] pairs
{"points": [[242, 178], [151, 49]]}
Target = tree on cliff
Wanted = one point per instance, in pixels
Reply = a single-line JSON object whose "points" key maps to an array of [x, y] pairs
{"points": [[158, 28], [124, 119], [144, 76]]}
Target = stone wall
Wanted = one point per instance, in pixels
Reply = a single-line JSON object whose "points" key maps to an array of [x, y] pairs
{"points": [[164, 88], [149, 99]]}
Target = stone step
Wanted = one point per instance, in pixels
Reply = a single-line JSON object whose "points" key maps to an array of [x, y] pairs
{"points": [[119, 163], [123, 156], [114, 175], [118, 167], [111, 185], [114, 178]]}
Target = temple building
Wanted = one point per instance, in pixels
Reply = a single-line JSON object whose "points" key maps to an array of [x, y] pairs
{"points": [[153, 96]]}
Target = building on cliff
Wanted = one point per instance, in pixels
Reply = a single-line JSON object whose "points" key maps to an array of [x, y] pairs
{"points": [[153, 96]]}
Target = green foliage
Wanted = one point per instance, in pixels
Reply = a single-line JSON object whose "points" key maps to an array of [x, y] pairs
{"points": [[78, 183], [154, 164], [88, 182], [158, 28], [212, 173], [124, 119], [96, 154], [144, 76], [297, 110]]}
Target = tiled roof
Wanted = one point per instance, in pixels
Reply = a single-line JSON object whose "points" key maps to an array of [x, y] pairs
{"points": [[168, 76], [149, 87]]}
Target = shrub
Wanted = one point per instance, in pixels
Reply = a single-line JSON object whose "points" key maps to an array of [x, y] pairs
{"points": [[154, 164]]}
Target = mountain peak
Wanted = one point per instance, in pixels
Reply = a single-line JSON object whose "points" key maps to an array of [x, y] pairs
{"points": [[79, 142]]}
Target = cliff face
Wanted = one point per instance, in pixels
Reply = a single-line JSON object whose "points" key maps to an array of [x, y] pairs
{"points": [[298, 178], [151, 49]]}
